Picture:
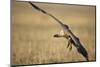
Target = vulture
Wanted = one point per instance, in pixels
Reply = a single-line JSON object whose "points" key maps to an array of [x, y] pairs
{"points": [[66, 33]]}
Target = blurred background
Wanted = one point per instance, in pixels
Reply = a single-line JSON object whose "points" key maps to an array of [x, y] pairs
{"points": [[32, 40]]}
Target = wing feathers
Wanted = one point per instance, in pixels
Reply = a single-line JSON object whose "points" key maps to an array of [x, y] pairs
{"points": [[39, 9]]}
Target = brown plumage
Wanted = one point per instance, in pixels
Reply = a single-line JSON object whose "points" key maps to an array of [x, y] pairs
{"points": [[66, 33]]}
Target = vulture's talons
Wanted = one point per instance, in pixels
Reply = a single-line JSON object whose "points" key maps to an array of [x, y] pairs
{"points": [[69, 44], [56, 35]]}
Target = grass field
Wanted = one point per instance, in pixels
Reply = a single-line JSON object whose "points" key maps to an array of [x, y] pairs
{"points": [[32, 32]]}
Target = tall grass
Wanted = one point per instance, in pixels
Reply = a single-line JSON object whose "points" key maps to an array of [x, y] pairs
{"points": [[32, 33]]}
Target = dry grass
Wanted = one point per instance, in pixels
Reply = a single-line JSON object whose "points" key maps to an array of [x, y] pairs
{"points": [[32, 33]]}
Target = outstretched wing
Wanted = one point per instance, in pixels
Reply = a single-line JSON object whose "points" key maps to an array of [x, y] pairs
{"points": [[37, 8], [82, 50], [41, 10], [76, 41]]}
